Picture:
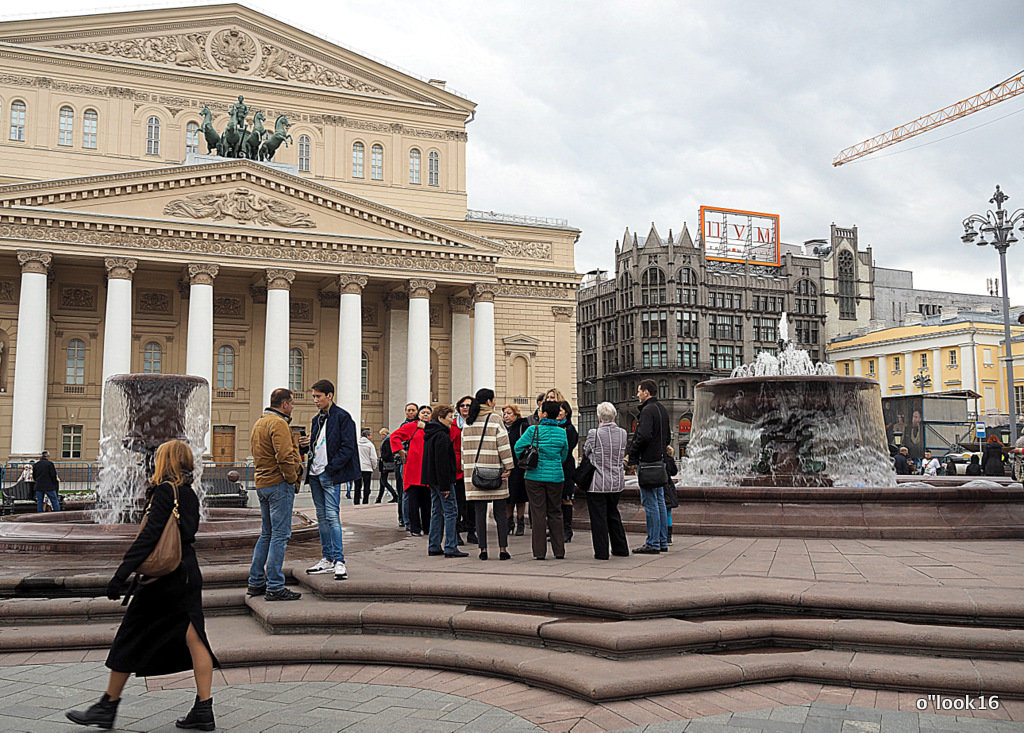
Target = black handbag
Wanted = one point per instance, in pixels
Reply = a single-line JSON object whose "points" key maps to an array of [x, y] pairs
{"points": [[485, 478], [652, 474], [584, 475], [530, 456]]}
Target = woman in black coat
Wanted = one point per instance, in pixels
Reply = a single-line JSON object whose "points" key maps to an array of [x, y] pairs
{"points": [[515, 425], [568, 467], [992, 457], [163, 629]]}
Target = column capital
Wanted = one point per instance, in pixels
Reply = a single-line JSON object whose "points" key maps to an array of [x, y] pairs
{"points": [[280, 279], [32, 260], [484, 292], [349, 284], [397, 300], [421, 288], [460, 304], [120, 268], [202, 273], [562, 313]]}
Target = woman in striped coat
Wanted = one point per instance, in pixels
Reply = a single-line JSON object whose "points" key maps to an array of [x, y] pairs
{"points": [[606, 447], [485, 443]]}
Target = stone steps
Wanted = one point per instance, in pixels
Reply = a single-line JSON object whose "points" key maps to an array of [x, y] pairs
{"points": [[76, 610]]}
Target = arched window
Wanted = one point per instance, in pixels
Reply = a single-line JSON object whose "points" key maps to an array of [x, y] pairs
{"points": [[153, 136], [65, 126], [364, 374], [681, 390], [686, 287], [90, 127], [652, 286], [663, 389], [847, 286], [152, 358], [18, 121], [304, 148], [520, 377], [295, 362], [414, 166], [357, 160], [225, 368], [434, 376], [377, 163], [192, 137], [434, 169], [75, 364]]}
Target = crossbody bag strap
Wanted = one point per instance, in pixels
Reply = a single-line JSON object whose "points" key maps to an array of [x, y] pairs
{"points": [[480, 445]]}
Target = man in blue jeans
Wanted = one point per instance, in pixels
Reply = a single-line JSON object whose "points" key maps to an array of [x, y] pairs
{"points": [[648, 449], [278, 470], [333, 460]]}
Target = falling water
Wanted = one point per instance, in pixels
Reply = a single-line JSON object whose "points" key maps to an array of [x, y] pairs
{"points": [[141, 411]]}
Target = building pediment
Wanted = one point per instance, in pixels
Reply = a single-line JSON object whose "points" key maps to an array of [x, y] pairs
{"points": [[242, 195], [520, 342], [232, 41]]}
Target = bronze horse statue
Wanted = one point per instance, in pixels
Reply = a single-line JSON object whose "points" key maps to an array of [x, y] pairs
{"points": [[235, 132], [272, 143], [251, 144], [211, 135]]}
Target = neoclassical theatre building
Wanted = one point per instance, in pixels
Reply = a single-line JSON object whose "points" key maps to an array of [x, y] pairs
{"points": [[128, 245]]}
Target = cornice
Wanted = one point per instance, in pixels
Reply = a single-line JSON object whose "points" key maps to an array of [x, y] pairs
{"points": [[186, 176], [914, 341]]}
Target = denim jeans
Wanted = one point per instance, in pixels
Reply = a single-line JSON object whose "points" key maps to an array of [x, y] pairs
{"points": [[54, 500], [443, 512], [657, 516], [403, 499], [327, 500], [276, 510]]}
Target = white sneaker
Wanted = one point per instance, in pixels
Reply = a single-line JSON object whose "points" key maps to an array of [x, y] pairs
{"points": [[340, 572], [324, 566]]}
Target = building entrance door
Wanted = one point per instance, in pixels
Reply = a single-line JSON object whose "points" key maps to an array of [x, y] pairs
{"points": [[223, 448]]}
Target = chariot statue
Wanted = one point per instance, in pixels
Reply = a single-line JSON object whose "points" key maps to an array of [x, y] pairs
{"points": [[239, 140]]}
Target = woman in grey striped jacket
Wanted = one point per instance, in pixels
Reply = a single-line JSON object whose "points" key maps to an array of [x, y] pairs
{"points": [[485, 444], [606, 448]]}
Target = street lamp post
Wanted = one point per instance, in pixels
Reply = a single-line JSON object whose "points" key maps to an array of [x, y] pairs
{"points": [[996, 228]]}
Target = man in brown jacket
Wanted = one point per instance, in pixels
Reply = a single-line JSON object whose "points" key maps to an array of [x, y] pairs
{"points": [[278, 470]]}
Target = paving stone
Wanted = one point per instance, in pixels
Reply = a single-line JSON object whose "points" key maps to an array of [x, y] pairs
{"points": [[893, 722], [791, 714], [861, 726]]}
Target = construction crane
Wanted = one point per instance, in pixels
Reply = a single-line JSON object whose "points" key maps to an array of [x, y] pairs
{"points": [[1000, 92]]}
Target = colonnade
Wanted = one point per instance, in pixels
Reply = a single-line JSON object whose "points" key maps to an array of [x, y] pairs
{"points": [[409, 360]]}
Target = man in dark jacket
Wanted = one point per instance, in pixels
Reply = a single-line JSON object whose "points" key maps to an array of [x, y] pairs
{"points": [[438, 472], [901, 463], [652, 435], [333, 460], [44, 474]]}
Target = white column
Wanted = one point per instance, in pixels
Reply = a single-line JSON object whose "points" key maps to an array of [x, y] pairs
{"points": [[417, 376], [199, 349], [117, 323], [278, 328], [483, 337], [462, 345], [350, 346], [398, 355], [857, 367], [28, 423], [883, 375], [908, 373], [936, 371]]}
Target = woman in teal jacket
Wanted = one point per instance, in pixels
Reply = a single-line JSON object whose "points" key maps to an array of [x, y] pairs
{"points": [[544, 483]]}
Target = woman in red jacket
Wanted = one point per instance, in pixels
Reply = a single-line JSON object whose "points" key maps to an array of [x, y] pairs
{"points": [[408, 440]]}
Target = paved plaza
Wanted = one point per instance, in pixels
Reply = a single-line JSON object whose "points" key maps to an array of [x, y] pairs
{"points": [[36, 687]]}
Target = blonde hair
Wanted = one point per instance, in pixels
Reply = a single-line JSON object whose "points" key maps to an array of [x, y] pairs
{"points": [[559, 397], [383, 432], [669, 451], [514, 408], [172, 462]]}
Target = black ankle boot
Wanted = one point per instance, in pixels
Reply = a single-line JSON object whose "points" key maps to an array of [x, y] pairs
{"points": [[100, 714], [200, 717], [520, 527], [567, 521], [670, 534]]}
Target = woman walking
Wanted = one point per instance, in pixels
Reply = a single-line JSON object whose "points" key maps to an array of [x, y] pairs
{"points": [[605, 446], [485, 445], [416, 491], [163, 629], [544, 483], [515, 424], [386, 466], [367, 460]]}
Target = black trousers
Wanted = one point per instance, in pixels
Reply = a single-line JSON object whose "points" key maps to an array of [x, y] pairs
{"points": [[606, 524], [500, 519], [419, 508], [465, 518], [362, 487]]}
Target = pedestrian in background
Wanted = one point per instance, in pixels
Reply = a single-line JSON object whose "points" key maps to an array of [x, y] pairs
{"points": [[367, 460], [568, 466], [439, 471], [386, 467], [47, 483], [464, 522], [417, 492], [605, 445], [648, 453], [515, 424]]}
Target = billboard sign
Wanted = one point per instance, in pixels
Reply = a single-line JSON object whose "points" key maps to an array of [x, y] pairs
{"points": [[734, 235]]}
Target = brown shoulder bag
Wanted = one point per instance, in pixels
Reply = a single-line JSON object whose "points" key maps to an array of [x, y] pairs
{"points": [[166, 556]]}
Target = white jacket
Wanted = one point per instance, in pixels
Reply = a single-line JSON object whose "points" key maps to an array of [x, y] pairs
{"points": [[367, 454]]}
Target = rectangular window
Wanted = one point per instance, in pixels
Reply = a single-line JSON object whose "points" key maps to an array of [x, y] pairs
{"points": [[434, 169], [896, 365], [766, 330], [846, 369], [686, 324], [723, 356], [871, 368], [1018, 399], [377, 163], [71, 441], [611, 391], [924, 361], [952, 358], [806, 331], [686, 355], [18, 121], [65, 126], [986, 356], [654, 325], [729, 328]]}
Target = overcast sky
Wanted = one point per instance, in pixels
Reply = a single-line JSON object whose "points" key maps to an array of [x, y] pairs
{"points": [[616, 114]]}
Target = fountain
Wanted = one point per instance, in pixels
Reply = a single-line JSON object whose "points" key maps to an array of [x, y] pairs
{"points": [[785, 448], [140, 411]]}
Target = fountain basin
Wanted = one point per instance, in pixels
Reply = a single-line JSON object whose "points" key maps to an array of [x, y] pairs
{"points": [[75, 532]]}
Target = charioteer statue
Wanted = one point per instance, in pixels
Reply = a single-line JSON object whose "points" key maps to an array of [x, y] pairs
{"points": [[237, 140]]}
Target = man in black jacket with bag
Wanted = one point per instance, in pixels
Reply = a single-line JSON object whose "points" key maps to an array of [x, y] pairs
{"points": [[648, 453]]}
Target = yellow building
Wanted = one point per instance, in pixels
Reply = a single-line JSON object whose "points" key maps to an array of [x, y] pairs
{"points": [[352, 255], [957, 350]]}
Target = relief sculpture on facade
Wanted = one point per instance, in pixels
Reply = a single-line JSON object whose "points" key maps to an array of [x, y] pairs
{"points": [[187, 49], [528, 250], [243, 206]]}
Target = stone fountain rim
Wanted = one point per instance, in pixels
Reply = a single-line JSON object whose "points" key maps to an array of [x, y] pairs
{"points": [[789, 378]]}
